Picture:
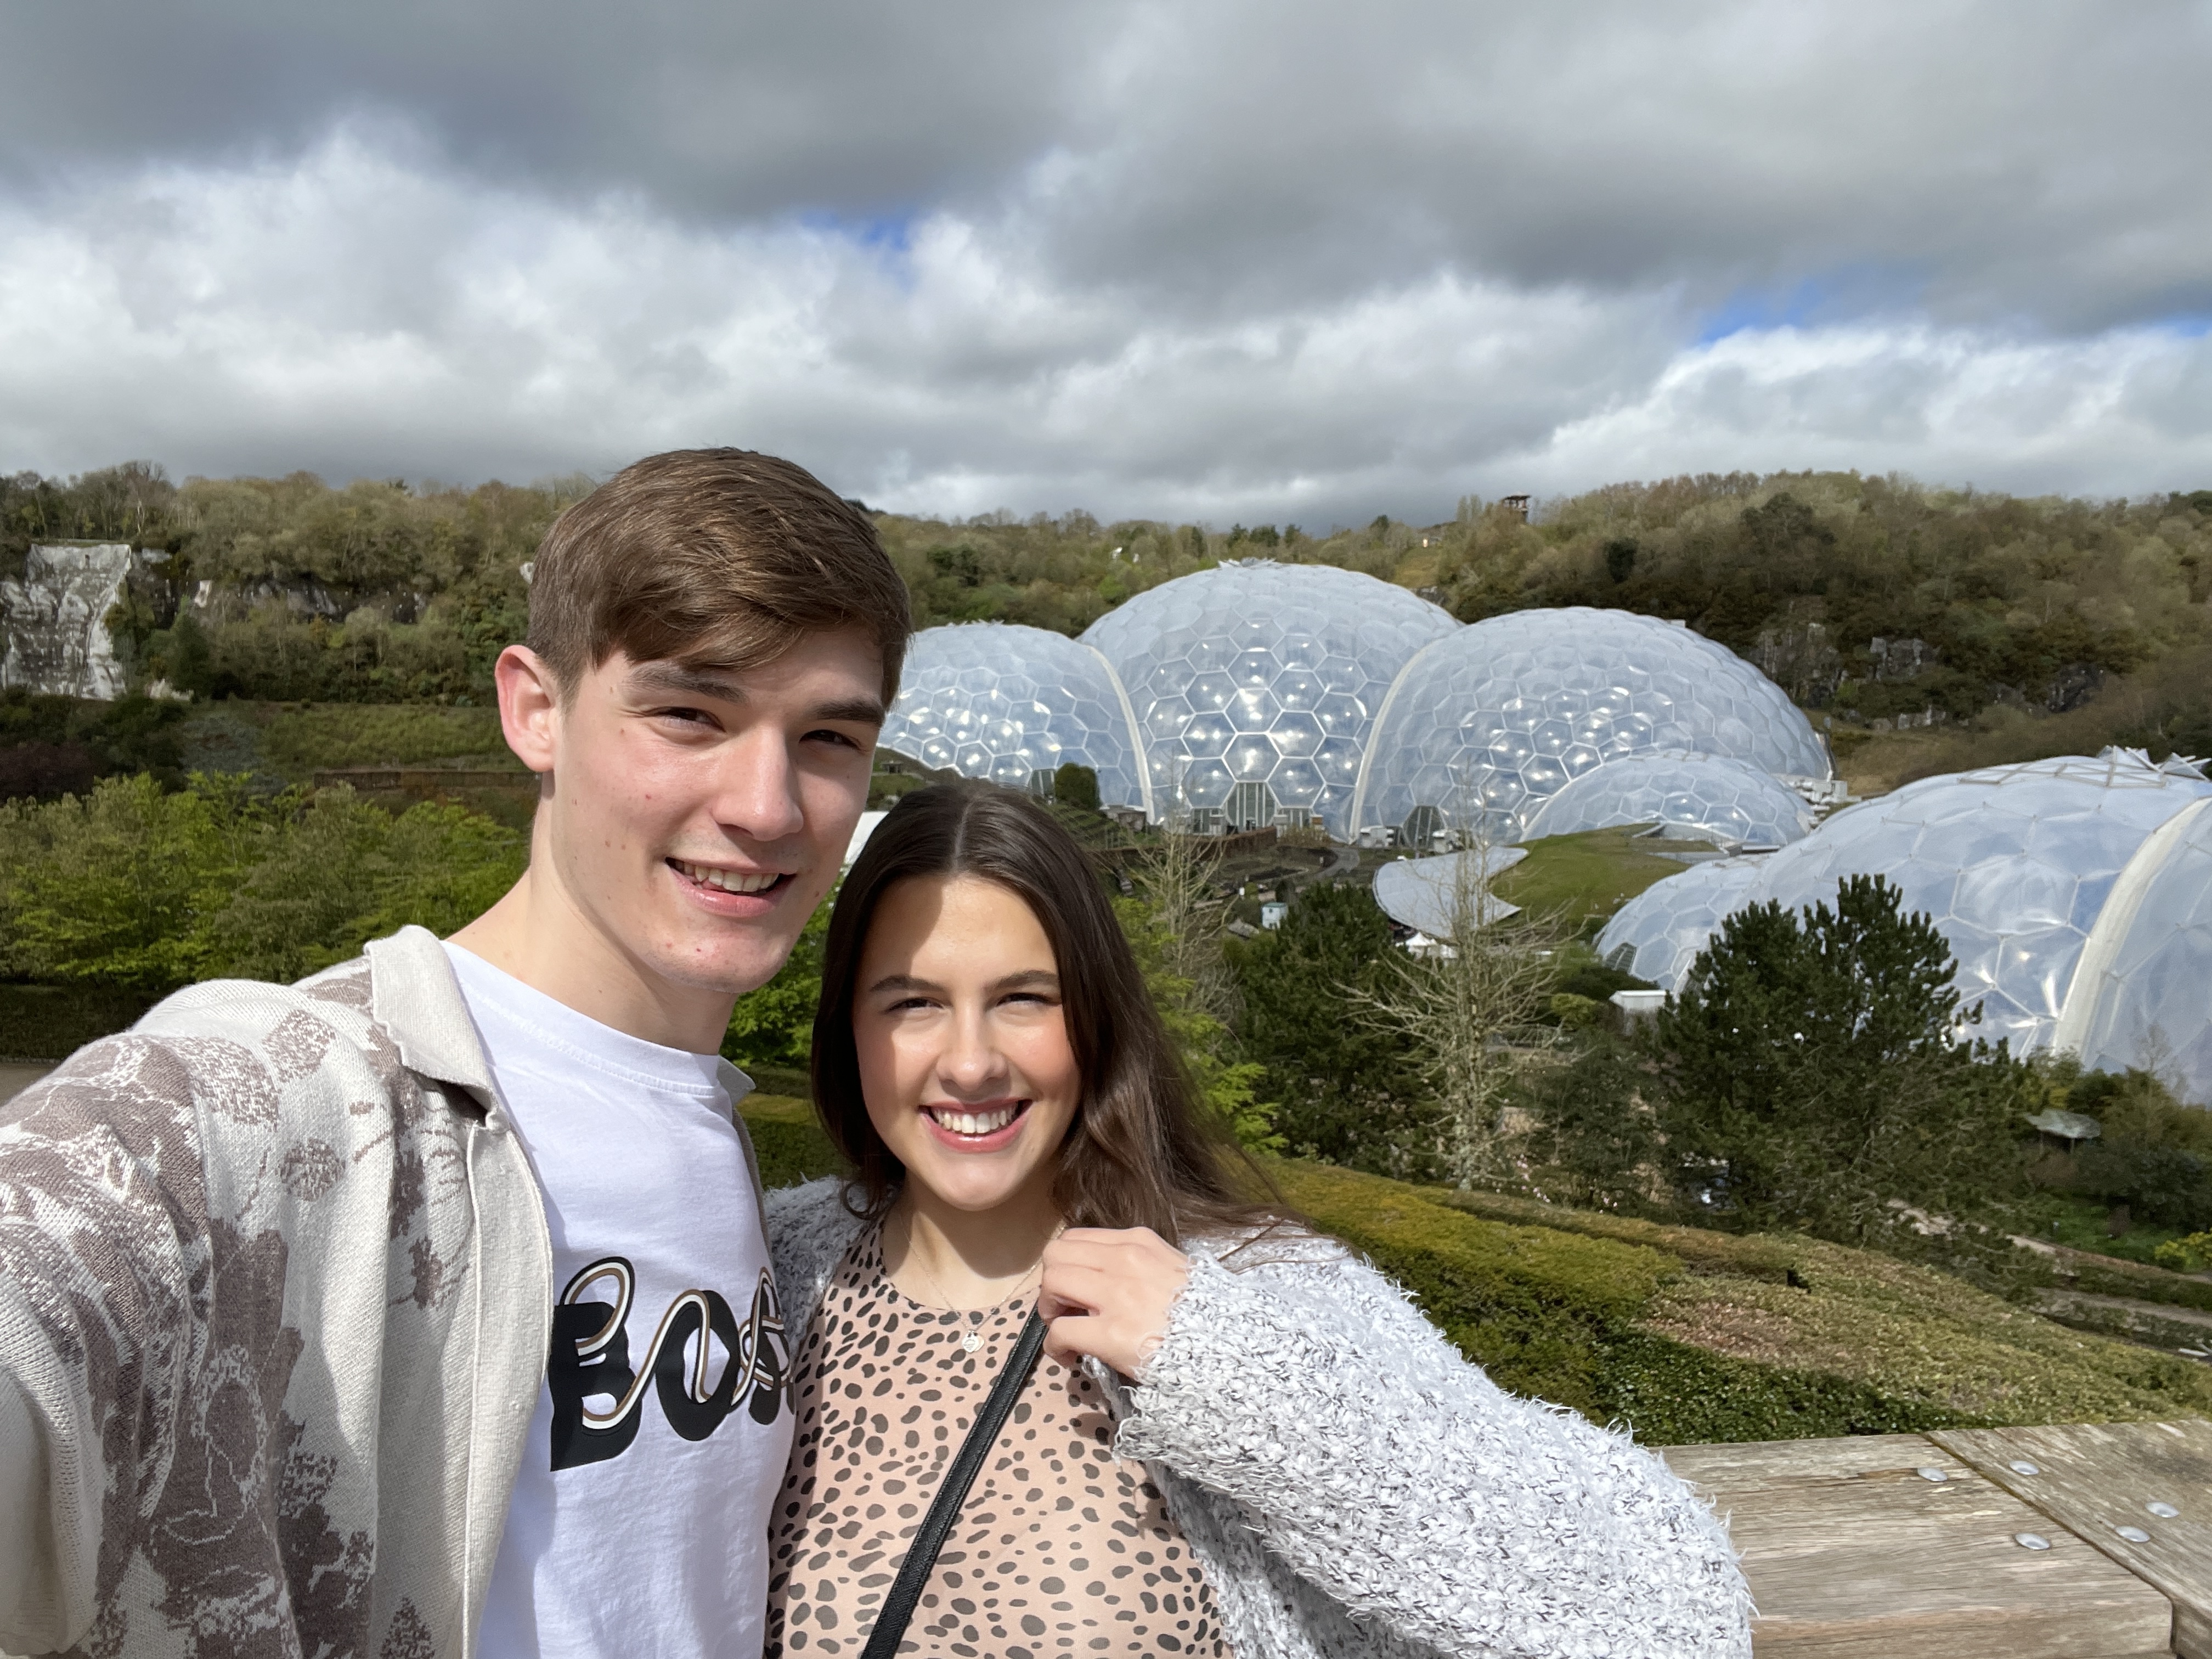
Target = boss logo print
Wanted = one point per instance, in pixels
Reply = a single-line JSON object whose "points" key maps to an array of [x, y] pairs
{"points": [[591, 1363]]}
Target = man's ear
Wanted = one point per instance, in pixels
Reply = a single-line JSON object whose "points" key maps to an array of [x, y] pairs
{"points": [[529, 707]]}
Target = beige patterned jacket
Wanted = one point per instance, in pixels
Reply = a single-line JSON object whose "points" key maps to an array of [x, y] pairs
{"points": [[275, 1300]]}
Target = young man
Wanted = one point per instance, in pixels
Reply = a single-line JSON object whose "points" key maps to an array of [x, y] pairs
{"points": [[422, 1308]]}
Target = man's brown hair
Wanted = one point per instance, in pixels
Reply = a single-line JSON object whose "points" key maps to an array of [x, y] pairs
{"points": [[719, 558]]}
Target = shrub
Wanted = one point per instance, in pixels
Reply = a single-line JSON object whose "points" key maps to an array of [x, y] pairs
{"points": [[2192, 1255], [1594, 1141]]}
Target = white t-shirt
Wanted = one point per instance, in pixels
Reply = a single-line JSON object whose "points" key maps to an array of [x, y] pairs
{"points": [[639, 1524]]}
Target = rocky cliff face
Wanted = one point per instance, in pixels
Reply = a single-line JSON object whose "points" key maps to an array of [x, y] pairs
{"points": [[53, 622]]}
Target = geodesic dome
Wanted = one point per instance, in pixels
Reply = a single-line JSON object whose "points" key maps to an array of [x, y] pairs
{"points": [[2012, 864], [1495, 718], [1255, 685], [1000, 701], [2142, 994], [1663, 928], [1711, 795]]}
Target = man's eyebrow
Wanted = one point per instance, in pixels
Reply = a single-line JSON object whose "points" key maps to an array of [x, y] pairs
{"points": [[681, 680], [686, 680], [853, 711]]}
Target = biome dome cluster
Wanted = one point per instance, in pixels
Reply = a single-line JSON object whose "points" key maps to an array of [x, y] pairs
{"points": [[2019, 867], [1257, 693], [2076, 893]]}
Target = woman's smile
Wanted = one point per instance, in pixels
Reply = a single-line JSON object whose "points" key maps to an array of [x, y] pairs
{"points": [[980, 1126]]}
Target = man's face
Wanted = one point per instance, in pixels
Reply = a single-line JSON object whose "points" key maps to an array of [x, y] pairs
{"points": [[698, 816]]}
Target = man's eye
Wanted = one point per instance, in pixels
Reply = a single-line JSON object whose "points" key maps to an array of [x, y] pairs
{"points": [[698, 716], [826, 736]]}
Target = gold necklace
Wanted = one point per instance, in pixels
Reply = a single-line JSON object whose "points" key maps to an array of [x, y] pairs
{"points": [[974, 1339]]}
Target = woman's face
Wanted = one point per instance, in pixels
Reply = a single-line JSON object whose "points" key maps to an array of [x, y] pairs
{"points": [[965, 1065]]}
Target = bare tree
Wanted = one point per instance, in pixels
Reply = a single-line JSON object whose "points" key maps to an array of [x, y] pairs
{"points": [[1467, 1004]]}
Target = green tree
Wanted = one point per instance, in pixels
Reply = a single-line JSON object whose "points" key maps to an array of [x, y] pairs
{"points": [[1810, 1072], [1594, 1143], [1076, 786], [773, 1026], [1343, 1092], [131, 887]]}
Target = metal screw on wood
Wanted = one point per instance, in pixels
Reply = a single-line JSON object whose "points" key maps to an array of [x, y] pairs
{"points": [[2163, 1512], [2031, 1540], [1931, 1474], [2133, 1535], [2021, 1466]]}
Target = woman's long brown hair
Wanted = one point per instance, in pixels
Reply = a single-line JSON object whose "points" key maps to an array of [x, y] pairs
{"points": [[1137, 1154]]}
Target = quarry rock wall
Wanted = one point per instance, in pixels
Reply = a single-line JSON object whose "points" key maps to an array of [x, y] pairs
{"points": [[53, 622]]}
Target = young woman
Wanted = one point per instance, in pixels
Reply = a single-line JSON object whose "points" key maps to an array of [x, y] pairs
{"points": [[1242, 1440]]}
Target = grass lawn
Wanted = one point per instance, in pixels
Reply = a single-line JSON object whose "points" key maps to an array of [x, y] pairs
{"points": [[1586, 876]]}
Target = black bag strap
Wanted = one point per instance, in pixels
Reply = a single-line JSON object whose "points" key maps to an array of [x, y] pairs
{"points": [[913, 1573]]}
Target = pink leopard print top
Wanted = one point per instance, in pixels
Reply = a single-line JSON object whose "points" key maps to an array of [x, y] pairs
{"points": [[1061, 1548]]}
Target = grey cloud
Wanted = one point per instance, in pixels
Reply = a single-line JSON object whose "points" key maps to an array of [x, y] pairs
{"points": [[724, 109], [1281, 262], [2030, 158]]}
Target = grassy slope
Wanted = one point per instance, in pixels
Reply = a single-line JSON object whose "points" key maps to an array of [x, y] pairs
{"points": [[1586, 876], [1690, 1335]]}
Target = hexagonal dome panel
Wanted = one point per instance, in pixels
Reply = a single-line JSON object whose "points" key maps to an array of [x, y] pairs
{"points": [[1500, 716], [1256, 684], [2013, 863], [1709, 795], [1000, 701], [1657, 935], [2142, 995]]}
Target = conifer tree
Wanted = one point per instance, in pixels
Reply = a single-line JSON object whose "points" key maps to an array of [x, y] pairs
{"points": [[1816, 1073]]}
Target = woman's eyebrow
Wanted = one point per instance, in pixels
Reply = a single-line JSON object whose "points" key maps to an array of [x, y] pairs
{"points": [[1043, 978], [904, 983]]}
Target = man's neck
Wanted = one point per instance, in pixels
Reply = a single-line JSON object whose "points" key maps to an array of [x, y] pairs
{"points": [[538, 935]]}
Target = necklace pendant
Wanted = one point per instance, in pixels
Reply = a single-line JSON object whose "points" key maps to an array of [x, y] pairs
{"points": [[972, 1341]]}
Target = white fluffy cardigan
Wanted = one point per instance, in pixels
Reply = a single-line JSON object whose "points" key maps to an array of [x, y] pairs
{"points": [[1351, 1484]]}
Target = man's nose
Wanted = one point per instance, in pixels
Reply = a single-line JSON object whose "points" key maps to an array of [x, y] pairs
{"points": [[756, 789]]}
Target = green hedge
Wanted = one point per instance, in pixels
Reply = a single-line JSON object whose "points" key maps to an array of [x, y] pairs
{"points": [[2108, 1276], [1689, 1336], [52, 1021], [786, 1139]]}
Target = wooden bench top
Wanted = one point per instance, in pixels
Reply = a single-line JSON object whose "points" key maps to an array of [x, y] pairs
{"points": [[2141, 1493], [1853, 1551]]}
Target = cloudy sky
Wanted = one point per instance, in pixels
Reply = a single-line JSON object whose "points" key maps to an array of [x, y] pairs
{"points": [[1271, 261]]}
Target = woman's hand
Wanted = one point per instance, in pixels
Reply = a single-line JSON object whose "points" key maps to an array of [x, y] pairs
{"points": [[1106, 1291]]}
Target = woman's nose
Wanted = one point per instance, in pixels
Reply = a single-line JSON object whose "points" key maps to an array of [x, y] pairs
{"points": [[972, 1060]]}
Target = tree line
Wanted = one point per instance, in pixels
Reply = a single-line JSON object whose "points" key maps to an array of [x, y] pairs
{"points": [[1866, 597]]}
